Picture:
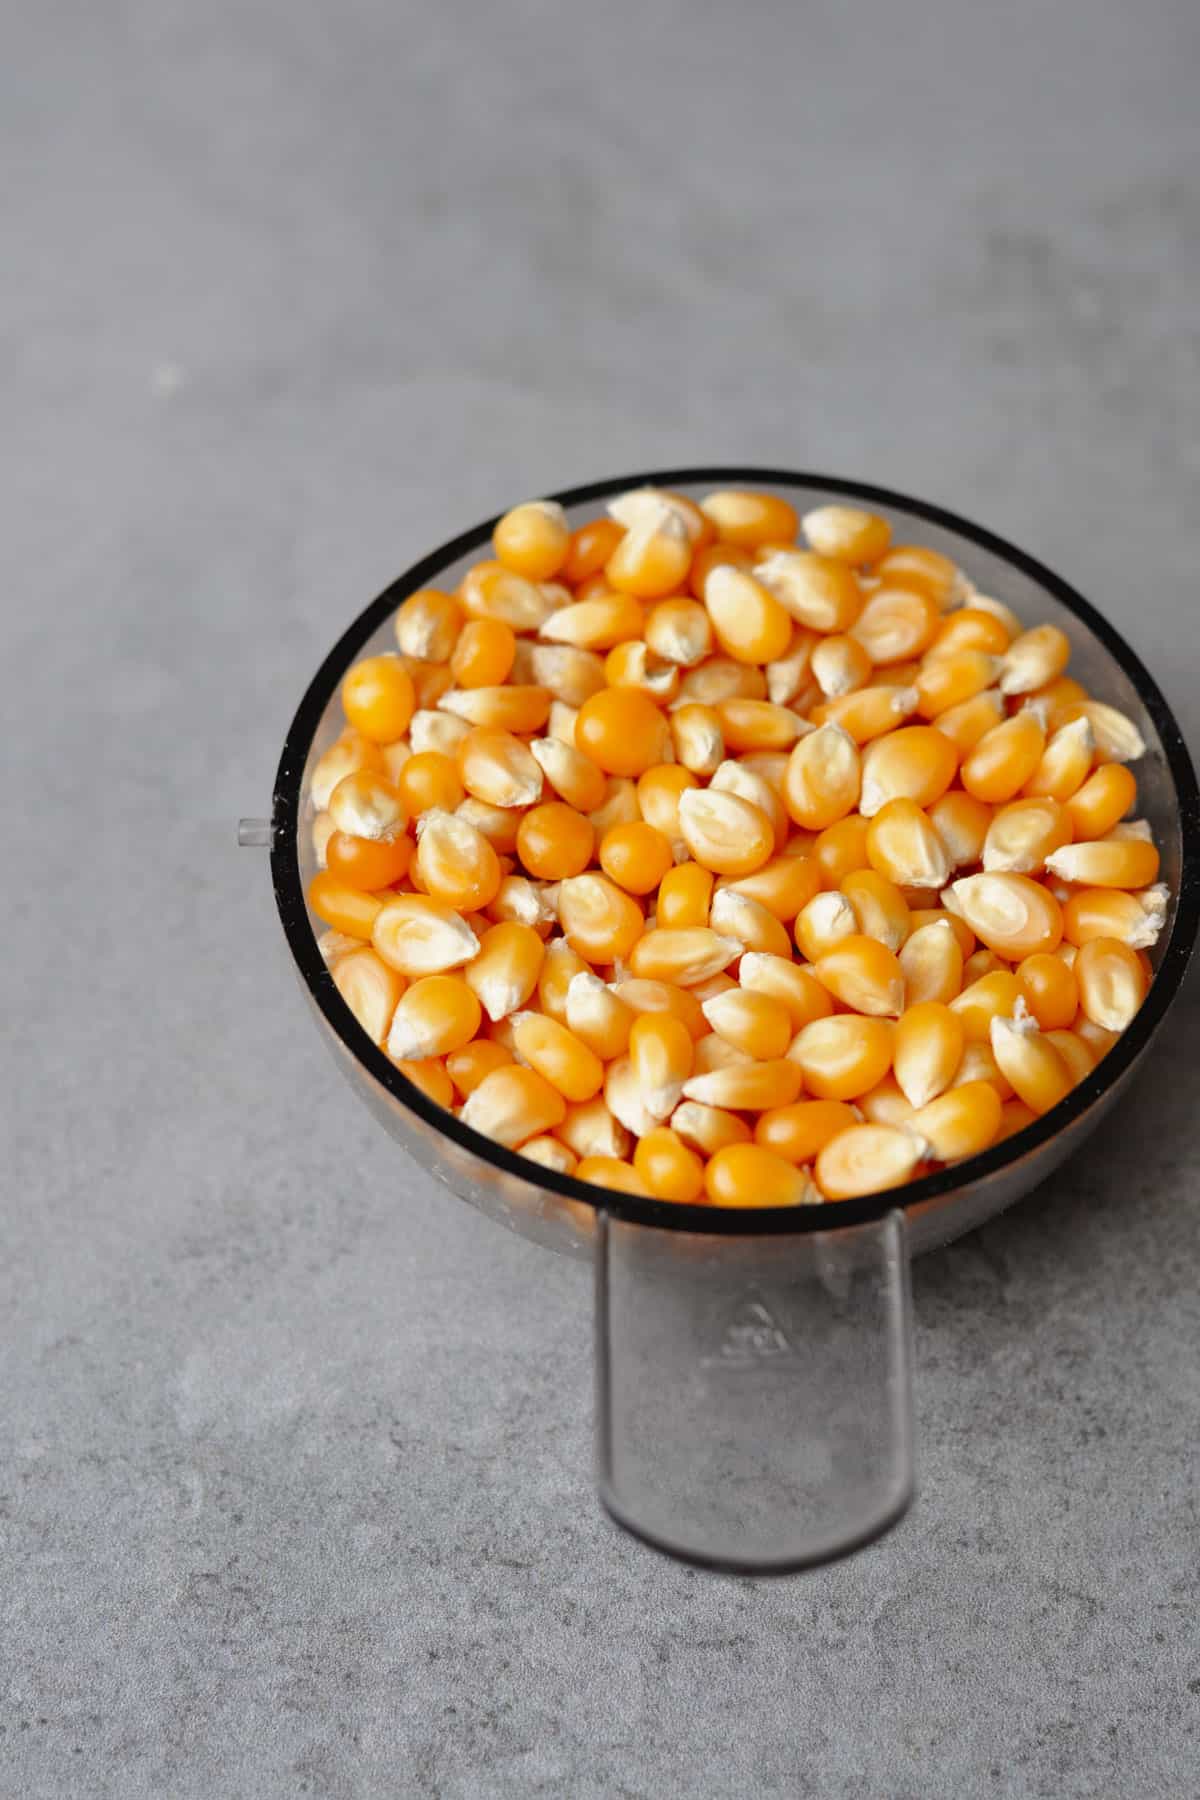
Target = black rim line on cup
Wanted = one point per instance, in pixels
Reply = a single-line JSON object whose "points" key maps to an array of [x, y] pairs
{"points": [[671, 1215]]}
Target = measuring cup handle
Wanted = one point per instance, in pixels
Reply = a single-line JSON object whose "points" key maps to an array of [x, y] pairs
{"points": [[754, 1393]]}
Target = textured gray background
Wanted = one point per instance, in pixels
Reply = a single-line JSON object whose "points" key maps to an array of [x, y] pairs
{"points": [[294, 1486]]}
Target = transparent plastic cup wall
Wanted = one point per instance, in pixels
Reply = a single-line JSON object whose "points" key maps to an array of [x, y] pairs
{"points": [[753, 1369]]}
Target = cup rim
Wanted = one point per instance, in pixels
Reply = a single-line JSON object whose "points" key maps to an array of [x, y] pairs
{"points": [[713, 1220]]}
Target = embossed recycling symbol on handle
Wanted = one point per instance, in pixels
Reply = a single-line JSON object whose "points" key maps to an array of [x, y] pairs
{"points": [[751, 1335]]}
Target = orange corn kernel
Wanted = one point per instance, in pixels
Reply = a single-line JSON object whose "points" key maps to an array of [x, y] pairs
{"points": [[1117, 737], [680, 632], [707, 1129], [926, 570], [563, 1059], [366, 863], [849, 533], [659, 790], [590, 547], [431, 1078], [1111, 982], [498, 824], [931, 962], [598, 1016], [800, 1131], [867, 1159], [950, 679], [980, 963], [783, 885], [670, 1170], [455, 862], [1014, 1117], [885, 1104], [750, 624], [427, 625], [747, 920], [747, 1086], [757, 1024], [632, 665], [915, 763], [468, 1066], [608, 1172], [863, 974], [748, 518], [714, 556], [599, 919], [823, 778], [843, 1056], [497, 767], [684, 897], [513, 1104], [748, 1175], [1050, 990], [1134, 919], [896, 624], [1110, 863], [971, 629], [962, 823], [1035, 658], [839, 665], [597, 624], [1004, 758], [643, 995], [352, 751], [370, 989], [378, 698], [570, 773], [419, 936], [619, 806], [622, 730], [933, 915], [346, 908], [757, 724], [968, 723], [1103, 799], [962, 1122], [1011, 914], [1079, 1056], [929, 1045], [505, 972], [483, 655], [827, 920], [1098, 1037], [660, 1055], [440, 731], [796, 987], [652, 559], [571, 675], [985, 999], [514, 707], [560, 965], [635, 856], [683, 958], [869, 712], [697, 738], [1062, 697], [1038, 1074], [840, 849], [723, 832], [549, 1153], [1064, 764], [816, 591], [490, 591], [978, 1064], [903, 845], [554, 841], [428, 780], [1023, 834], [435, 1015], [533, 539]]}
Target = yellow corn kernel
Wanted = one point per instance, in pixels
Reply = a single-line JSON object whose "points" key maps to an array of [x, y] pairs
{"points": [[827, 921], [370, 989], [1023, 834], [868, 712], [418, 936], [903, 845], [599, 919], [643, 995], [684, 895], [697, 738], [632, 665], [365, 804], [533, 539], [962, 823], [508, 708], [896, 624], [455, 862], [1133, 919], [682, 958], [926, 570], [468, 1066], [490, 591], [1035, 658], [570, 773], [505, 972], [748, 1175], [591, 1130], [721, 678], [550, 1154], [933, 915], [1103, 799], [823, 778], [430, 1076], [647, 505], [660, 1056], [558, 1055], [747, 921], [783, 980], [885, 1103], [931, 962], [723, 832], [625, 1099], [1011, 914], [749, 518], [839, 849], [843, 1056], [321, 832], [497, 767], [748, 1086], [849, 533], [980, 963], [1005, 758], [591, 546], [524, 902], [1079, 1056], [352, 752], [1111, 863], [439, 732], [815, 591], [707, 1129], [1111, 982], [789, 675], [929, 1046], [978, 1064], [512, 1105], [1014, 1117], [619, 806], [659, 790], [635, 856], [800, 1131], [971, 629], [1098, 1037], [783, 885], [987, 998], [570, 674], [750, 624], [1116, 736], [427, 625], [1037, 1072], [430, 681], [679, 631], [347, 909], [608, 1172], [596, 624], [670, 1170], [754, 1023], [598, 1016], [378, 698], [1064, 764], [757, 724], [866, 1159], [429, 780], [840, 665], [333, 945], [1050, 990], [749, 783], [436, 1015], [949, 680], [560, 965], [968, 723], [863, 974], [960, 1123], [653, 557], [622, 730], [915, 763], [483, 654]]}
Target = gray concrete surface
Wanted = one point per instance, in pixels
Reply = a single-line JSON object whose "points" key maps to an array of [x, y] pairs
{"points": [[294, 1488]]}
